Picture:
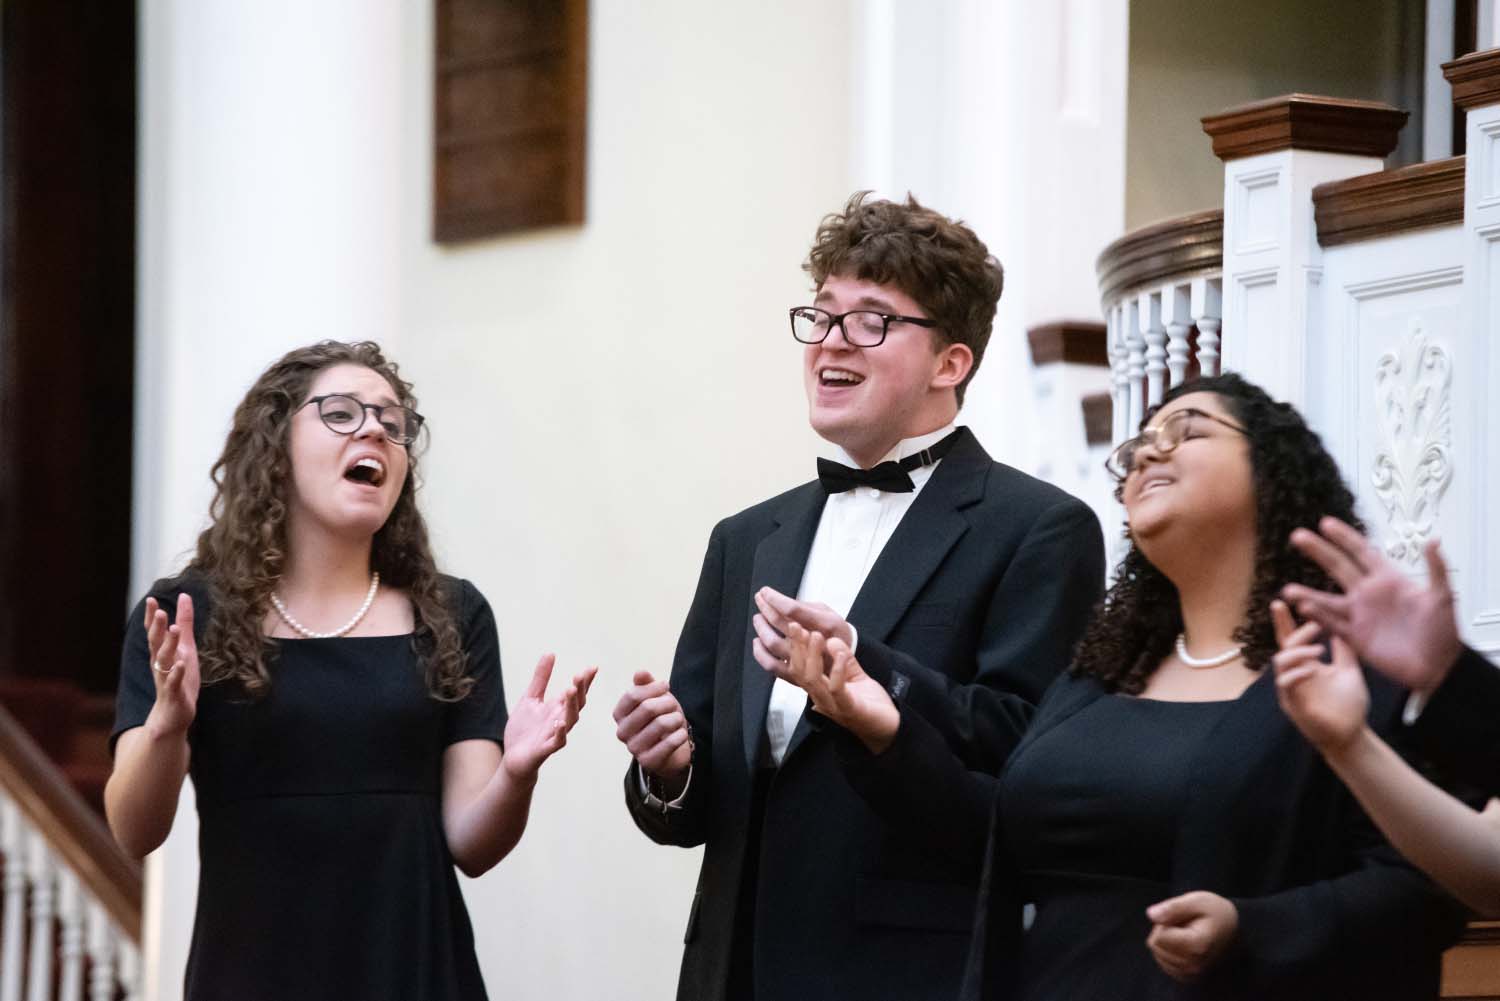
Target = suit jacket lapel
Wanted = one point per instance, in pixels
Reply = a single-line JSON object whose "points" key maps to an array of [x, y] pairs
{"points": [[927, 532], [780, 560], [929, 529]]}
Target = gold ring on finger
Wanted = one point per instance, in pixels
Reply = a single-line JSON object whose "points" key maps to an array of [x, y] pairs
{"points": [[156, 666]]}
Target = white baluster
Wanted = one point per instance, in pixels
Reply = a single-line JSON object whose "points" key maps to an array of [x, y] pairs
{"points": [[1149, 313], [101, 946], [1118, 393], [41, 873], [13, 857], [70, 946], [130, 970], [1135, 371], [1175, 317], [1206, 309]]}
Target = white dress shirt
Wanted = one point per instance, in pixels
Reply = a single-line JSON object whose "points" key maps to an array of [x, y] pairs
{"points": [[854, 528]]}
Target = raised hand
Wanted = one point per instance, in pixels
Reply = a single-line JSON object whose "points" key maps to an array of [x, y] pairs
{"points": [[831, 676], [1327, 701], [538, 726], [1190, 932], [650, 722], [777, 612], [1397, 626], [174, 667]]}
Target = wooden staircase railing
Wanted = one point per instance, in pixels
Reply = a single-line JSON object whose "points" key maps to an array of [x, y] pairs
{"points": [[70, 914]]}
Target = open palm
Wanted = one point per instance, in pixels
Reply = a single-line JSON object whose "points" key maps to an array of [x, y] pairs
{"points": [[1398, 626]]}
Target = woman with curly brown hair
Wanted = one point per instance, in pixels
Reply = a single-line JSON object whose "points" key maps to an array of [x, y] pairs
{"points": [[337, 701], [1177, 836]]}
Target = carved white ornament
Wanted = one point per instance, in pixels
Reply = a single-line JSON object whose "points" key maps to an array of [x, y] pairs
{"points": [[1414, 463]]}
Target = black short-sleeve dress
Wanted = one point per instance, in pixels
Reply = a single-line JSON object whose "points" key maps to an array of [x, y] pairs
{"points": [[324, 869]]}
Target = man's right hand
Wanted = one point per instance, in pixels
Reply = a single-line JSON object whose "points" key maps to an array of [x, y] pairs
{"points": [[650, 722]]}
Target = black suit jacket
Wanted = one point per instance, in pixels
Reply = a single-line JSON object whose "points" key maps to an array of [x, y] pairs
{"points": [[1460, 727], [987, 581], [1326, 908]]}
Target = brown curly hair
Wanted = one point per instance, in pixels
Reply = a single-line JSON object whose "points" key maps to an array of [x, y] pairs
{"points": [[241, 554], [1296, 482], [937, 261]]}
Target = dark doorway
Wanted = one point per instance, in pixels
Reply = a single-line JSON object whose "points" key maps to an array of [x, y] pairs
{"points": [[67, 335]]}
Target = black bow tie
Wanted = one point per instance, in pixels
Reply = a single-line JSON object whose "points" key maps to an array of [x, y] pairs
{"points": [[890, 476]]}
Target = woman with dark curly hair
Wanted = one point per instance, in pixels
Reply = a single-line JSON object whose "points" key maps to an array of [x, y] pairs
{"points": [[1176, 834], [337, 701]]}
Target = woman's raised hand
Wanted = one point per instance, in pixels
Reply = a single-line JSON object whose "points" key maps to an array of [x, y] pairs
{"points": [[1327, 701], [538, 726], [1396, 625], [827, 670], [174, 667]]}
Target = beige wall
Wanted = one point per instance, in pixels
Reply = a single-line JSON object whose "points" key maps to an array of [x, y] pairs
{"points": [[1189, 59], [598, 398]]}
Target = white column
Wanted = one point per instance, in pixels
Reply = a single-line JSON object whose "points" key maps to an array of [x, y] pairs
{"points": [[1155, 335], [1272, 262], [70, 943], [1205, 307], [41, 873], [271, 152], [1476, 382], [1135, 367], [101, 948], [1176, 316], [13, 930]]}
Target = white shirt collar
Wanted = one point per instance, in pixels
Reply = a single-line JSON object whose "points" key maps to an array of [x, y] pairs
{"points": [[904, 447]]}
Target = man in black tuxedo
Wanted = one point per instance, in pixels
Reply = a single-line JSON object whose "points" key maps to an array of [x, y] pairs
{"points": [[963, 585]]}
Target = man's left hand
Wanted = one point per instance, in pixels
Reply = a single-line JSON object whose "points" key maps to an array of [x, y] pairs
{"points": [[778, 612]]}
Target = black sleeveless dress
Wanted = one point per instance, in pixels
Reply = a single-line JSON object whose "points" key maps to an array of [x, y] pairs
{"points": [[325, 872]]}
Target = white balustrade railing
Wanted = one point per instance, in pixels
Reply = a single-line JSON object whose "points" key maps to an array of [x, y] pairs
{"points": [[1159, 336], [57, 943]]}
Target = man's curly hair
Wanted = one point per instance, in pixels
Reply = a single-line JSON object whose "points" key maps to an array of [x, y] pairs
{"points": [[1296, 482], [937, 261], [241, 554]]}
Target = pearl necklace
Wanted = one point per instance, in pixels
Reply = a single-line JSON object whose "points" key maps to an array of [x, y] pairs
{"points": [[307, 633], [1217, 660]]}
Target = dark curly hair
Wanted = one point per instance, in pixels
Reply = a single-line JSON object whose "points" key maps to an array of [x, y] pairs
{"points": [[241, 553], [937, 261], [1296, 482]]}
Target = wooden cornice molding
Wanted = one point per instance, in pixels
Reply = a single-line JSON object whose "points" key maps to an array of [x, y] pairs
{"points": [[1098, 418], [1079, 342], [1391, 201], [1305, 121], [1174, 248], [71, 828], [1475, 79]]}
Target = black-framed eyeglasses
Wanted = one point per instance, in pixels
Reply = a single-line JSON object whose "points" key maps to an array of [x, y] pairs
{"points": [[345, 414], [863, 328], [1164, 437]]}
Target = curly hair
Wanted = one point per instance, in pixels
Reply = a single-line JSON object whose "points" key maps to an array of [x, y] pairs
{"points": [[1296, 482], [241, 554], [937, 261]]}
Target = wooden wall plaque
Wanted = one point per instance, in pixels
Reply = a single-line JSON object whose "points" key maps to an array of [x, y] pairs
{"points": [[510, 106]]}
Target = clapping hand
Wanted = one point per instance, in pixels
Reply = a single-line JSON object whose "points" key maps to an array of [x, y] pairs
{"points": [[650, 722], [1402, 629], [1328, 701], [777, 613], [827, 670], [174, 667], [538, 726]]}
